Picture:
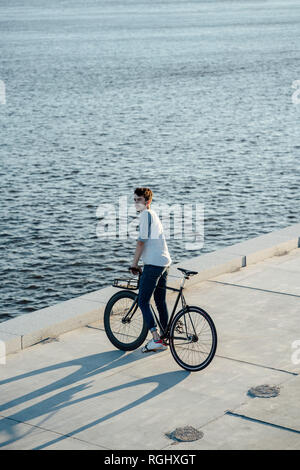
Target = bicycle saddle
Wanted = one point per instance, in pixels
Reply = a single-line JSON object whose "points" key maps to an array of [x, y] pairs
{"points": [[187, 272]]}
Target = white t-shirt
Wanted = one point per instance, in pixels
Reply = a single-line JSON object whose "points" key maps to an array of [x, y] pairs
{"points": [[151, 233]]}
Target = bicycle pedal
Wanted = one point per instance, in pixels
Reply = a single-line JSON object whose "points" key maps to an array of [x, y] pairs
{"points": [[165, 341]]}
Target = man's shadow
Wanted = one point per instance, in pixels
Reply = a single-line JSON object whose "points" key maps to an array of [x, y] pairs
{"points": [[87, 367]]}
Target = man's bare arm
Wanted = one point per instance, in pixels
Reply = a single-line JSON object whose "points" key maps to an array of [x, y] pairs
{"points": [[138, 251]]}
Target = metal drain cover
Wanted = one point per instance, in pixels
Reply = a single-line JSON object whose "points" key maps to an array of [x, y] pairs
{"points": [[264, 391], [185, 434]]}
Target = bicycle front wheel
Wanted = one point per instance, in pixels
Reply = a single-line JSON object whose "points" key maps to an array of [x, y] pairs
{"points": [[124, 324], [193, 339]]}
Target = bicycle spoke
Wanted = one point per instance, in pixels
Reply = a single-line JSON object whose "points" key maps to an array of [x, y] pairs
{"points": [[125, 332], [194, 339]]}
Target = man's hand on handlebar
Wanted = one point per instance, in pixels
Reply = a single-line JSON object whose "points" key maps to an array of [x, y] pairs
{"points": [[135, 270]]}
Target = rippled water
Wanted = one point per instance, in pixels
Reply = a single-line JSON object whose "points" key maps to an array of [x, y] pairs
{"points": [[192, 99]]}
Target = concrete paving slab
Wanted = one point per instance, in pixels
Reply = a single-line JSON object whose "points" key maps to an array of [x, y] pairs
{"points": [[124, 412], [281, 281], [234, 376], [283, 410], [231, 433], [276, 275], [290, 261], [103, 397], [71, 406], [11, 433], [119, 414], [252, 325], [80, 355]]}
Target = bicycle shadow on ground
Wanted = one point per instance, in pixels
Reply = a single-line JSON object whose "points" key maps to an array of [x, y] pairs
{"points": [[87, 367]]}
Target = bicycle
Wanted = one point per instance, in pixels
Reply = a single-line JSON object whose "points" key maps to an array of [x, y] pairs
{"points": [[190, 332]]}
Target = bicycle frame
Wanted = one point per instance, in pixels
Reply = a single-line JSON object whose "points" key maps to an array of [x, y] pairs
{"points": [[165, 332], [185, 326]]}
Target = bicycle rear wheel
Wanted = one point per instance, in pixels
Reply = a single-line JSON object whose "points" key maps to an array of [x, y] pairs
{"points": [[193, 339], [124, 323]]}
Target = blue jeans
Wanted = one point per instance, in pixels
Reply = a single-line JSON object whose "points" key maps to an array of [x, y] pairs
{"points": [[153, 280]]}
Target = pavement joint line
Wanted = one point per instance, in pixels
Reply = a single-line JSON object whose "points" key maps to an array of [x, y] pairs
{"points": [[94, 300], [228, 358], [256, 420], [54, 432], [254, 288], [94, 327], [213, 419], [257, 365]]}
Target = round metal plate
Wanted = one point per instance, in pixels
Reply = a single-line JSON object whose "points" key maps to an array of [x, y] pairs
{"points": [[264, 391], [185, 434]]}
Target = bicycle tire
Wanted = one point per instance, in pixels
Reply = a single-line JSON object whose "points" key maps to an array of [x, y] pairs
{"points": [[178, 344], [120, 334]]}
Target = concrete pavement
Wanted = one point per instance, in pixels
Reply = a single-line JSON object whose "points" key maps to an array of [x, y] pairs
{"points": [[77, 391]]}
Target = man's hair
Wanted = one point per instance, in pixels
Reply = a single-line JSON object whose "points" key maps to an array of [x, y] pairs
{"points": [[146, 192]]}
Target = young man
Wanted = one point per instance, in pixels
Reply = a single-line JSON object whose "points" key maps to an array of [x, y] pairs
{"points": [[152, 247]]}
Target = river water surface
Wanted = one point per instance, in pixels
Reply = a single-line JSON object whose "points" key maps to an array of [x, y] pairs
{"points": [[190, 98]]}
